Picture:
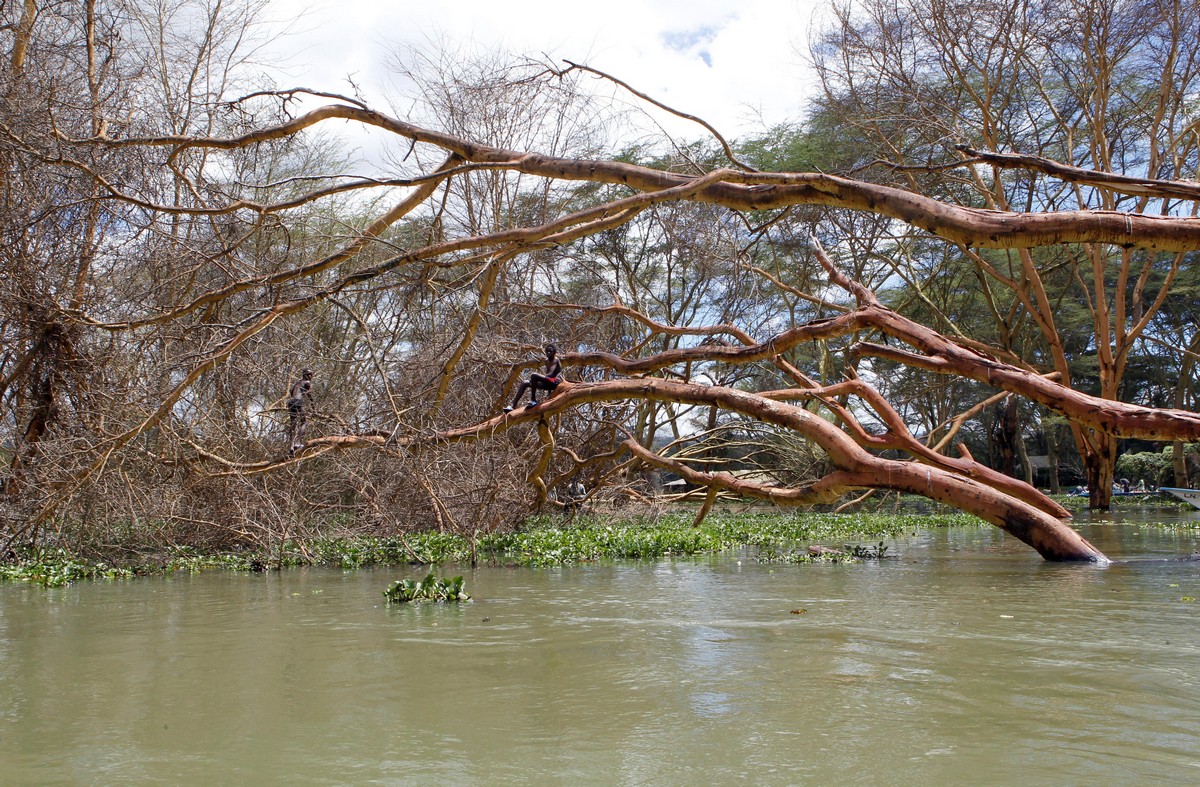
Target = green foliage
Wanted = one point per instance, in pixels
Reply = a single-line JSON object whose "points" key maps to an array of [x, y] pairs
{"points": [[591, 539], [544, 541], [771, 554], [791, 148], [850, 553], [554, 545], [189, 560], [57, 568], [420, 548], [430, 588], [868, 552], [1153, 467], [1185, 524], [1126, 503]]}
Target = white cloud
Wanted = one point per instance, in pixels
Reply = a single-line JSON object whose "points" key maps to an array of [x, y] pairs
{"points": [[727, 63]]}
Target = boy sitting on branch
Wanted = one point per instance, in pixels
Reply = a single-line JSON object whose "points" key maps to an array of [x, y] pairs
{"points": [[540, 382]]}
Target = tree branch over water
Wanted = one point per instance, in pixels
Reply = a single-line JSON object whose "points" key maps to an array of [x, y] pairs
{"points": [[167, 288]]}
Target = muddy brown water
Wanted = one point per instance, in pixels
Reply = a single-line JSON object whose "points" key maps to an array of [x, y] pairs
{"points": [[962, 659]]}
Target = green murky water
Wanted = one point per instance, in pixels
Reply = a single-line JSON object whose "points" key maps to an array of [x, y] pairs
{"points": [[964, 659]]}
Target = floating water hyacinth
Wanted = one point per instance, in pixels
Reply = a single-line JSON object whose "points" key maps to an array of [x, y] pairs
{"points": [[430, 588]]}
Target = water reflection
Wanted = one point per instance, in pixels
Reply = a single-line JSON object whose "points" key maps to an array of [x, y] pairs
{"points": [[963, 659]]}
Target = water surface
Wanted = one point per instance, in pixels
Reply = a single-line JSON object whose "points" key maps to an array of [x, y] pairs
{"points": [[963, 659]]}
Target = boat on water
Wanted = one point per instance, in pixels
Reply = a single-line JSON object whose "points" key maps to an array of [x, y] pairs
{"points": [[1117, 491], [1186, 495]]}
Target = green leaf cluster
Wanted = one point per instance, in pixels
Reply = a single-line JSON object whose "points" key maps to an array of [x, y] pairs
{"points": [[430, 588], [1151, 466], [58, 568], [542, 541]]}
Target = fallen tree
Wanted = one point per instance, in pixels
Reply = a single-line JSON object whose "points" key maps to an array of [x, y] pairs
{"points": [[1008, 503], [227, 304]]}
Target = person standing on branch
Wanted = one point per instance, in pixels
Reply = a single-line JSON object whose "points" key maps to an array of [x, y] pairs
{"points": [[296, 403], [540, 382]]}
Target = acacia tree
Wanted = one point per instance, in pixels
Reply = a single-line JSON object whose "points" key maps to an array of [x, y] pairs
{"points": [[231, 269], [1030, 106], [960, 481]]}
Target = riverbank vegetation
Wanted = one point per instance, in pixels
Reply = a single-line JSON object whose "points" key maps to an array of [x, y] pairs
{"points": [[963, 272], [540, 541]]}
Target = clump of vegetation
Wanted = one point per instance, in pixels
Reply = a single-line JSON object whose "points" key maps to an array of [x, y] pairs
{"points": [[540, 541], [430, 588], [868, 552], [56, 568], [849, 553], [189, 560], [803, 557], [1186, 524]]}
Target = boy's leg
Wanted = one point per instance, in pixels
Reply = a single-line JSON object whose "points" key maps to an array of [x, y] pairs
{"points": [[524, 386]]}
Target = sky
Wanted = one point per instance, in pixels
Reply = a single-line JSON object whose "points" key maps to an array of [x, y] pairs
{"points": [[736, 63]]}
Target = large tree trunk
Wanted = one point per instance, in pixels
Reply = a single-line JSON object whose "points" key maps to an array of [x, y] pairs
{"points": [[1100, 462]]}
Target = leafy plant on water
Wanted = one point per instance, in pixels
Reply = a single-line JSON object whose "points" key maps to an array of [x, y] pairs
{"points": [[430, 588], [183, 558], [849, 553], [540, 541], [867, 552], [1186, 524], [770, 554], [58, 568]]}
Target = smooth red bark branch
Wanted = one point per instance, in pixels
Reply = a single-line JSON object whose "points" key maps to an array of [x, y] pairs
{"points": [[761, 191], [1124, 184], [898, 438], [943, 356]]}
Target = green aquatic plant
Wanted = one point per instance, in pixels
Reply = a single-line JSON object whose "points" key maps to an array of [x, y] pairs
{"points": [[539, 541], [803, 557], [183, 558], [430, 588], [867, 552], [1185, 524], [849, 553], [57, 568], [589, 540], [1147, 502], [429, 548]]}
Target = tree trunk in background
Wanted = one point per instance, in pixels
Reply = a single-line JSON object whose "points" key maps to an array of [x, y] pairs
{"points": [[1179, 464], [1006, 436], [1100, 465], [1052, 459]]}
